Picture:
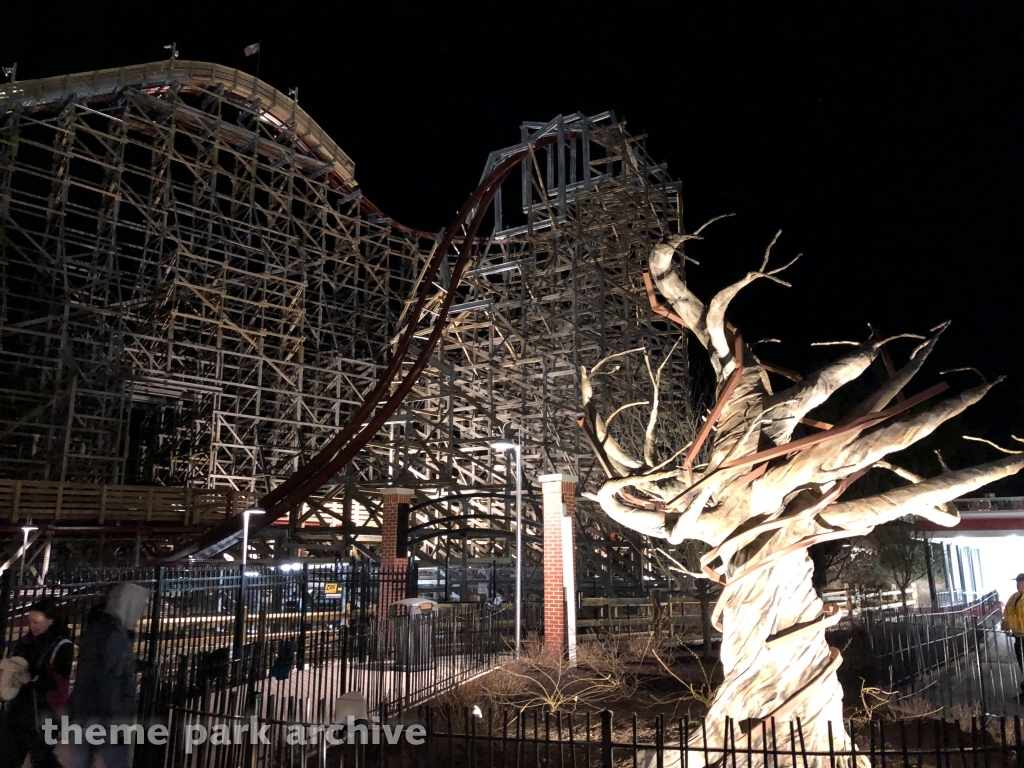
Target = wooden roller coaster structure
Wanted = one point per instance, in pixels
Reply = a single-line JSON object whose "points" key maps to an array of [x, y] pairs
{"points": [[197, 296]]}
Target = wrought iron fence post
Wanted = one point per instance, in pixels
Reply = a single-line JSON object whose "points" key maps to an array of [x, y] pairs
{"points": [[659, 741], [606, 739], [239, 634], [154, 616], [977, 659], [412, 579], [1018, 741], [300, 656], [152, 643], [6, 606], [364, 589], [344, 661]]}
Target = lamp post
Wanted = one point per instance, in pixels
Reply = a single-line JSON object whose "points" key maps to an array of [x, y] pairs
{"points": [[245, 533], [25, 531], [241, 606], [506, 445]]}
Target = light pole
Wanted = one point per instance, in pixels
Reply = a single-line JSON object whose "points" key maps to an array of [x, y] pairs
{"points": [[245, 533], [241, 606], [25, 531], [507, 445]]}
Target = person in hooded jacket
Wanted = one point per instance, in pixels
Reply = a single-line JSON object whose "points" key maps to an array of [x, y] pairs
{"points": [[105, 683], [48, 654]]}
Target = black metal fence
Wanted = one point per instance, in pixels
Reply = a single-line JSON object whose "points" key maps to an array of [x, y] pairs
{"points": [[915, 644], [453, 582], [953, 662], [283, 642], [546, 740], [394, 662]]}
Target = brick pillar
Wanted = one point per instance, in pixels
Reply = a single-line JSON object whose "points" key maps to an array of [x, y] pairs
{"points": [[393, 569], [559, 495]]}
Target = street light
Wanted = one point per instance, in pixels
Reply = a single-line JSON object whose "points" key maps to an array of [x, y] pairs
{"points": [[25, 531], [245, 532], [507, 445]]}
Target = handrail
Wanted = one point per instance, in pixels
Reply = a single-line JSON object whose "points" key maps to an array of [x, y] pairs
{"points": [[989, 599]]}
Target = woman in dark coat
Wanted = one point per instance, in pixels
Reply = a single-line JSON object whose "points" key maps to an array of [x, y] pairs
{"points": [[49, 653]]}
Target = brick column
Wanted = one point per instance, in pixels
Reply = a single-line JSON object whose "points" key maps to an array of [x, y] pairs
{"points": [[393, 569], [559, 495]]}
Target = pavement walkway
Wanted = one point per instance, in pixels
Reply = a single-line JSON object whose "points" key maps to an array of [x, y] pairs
{"points": [[985, 680]]}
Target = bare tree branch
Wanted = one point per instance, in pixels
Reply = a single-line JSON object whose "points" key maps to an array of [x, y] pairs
{"points": [[889, 438], [989, 442], [672, 287], [650, 437], [922, 498], [794, 403], [886, 393], [720, 303]]}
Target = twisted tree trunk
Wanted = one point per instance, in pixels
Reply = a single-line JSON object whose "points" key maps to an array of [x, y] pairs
{"points": [[769, 675], [761, 498]]}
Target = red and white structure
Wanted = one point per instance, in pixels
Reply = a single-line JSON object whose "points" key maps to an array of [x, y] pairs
{"points": [[559, 502], [986, 516]]}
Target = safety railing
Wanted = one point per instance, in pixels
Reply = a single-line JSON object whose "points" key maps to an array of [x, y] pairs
{"points": [[532, 739], [284, 643], [953, 662]]}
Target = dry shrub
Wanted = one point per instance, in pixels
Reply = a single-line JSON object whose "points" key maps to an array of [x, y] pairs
{"points": [[462, 697], [607, 672], [547, 680], [877, 703], [635, 647], [701, 691]]}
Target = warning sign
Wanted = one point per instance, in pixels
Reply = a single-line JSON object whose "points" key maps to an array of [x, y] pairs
{"points": [[331, 590]]}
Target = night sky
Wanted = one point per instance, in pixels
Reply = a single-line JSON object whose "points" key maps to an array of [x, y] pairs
{"points": [[885, 139]]}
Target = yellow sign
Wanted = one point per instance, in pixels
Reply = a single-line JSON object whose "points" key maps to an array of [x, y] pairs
{"points": [[330, 589]]}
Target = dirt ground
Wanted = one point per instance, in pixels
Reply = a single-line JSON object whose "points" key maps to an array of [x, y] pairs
{"points": [[676, 687]]}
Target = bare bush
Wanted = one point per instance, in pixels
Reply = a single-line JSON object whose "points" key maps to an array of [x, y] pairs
{"points": [[546, 679]]}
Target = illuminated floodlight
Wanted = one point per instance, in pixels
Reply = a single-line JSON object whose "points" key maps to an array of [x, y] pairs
{"points": [[25, 531], [504, 445]]}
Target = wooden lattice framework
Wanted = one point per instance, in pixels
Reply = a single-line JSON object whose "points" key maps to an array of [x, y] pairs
{"points": [[196, 294]]}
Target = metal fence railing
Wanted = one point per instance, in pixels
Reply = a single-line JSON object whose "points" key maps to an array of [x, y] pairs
{"points": [[395, 662], [914, 644], [954, 662], [282, 642], [199, 609], [535, 739]]}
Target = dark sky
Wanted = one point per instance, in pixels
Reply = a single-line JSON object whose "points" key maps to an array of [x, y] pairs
{"points": [[883, 138]]}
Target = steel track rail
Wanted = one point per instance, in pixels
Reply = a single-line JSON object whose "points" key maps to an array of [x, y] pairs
{"points": [[358, 432]]}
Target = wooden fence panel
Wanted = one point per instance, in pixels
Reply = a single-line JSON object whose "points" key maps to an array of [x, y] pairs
{"points": [[71, 503]]}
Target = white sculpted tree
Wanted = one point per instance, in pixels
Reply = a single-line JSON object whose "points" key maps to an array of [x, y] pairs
{"points": [[759, 498]]}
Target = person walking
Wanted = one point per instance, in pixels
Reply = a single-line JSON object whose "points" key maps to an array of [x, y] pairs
{"points": [[1013, 623], [1013, 620], [105, 690], [36, 675]]}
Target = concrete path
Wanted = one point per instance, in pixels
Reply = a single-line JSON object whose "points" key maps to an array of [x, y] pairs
{"points": [[985, 680]]}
